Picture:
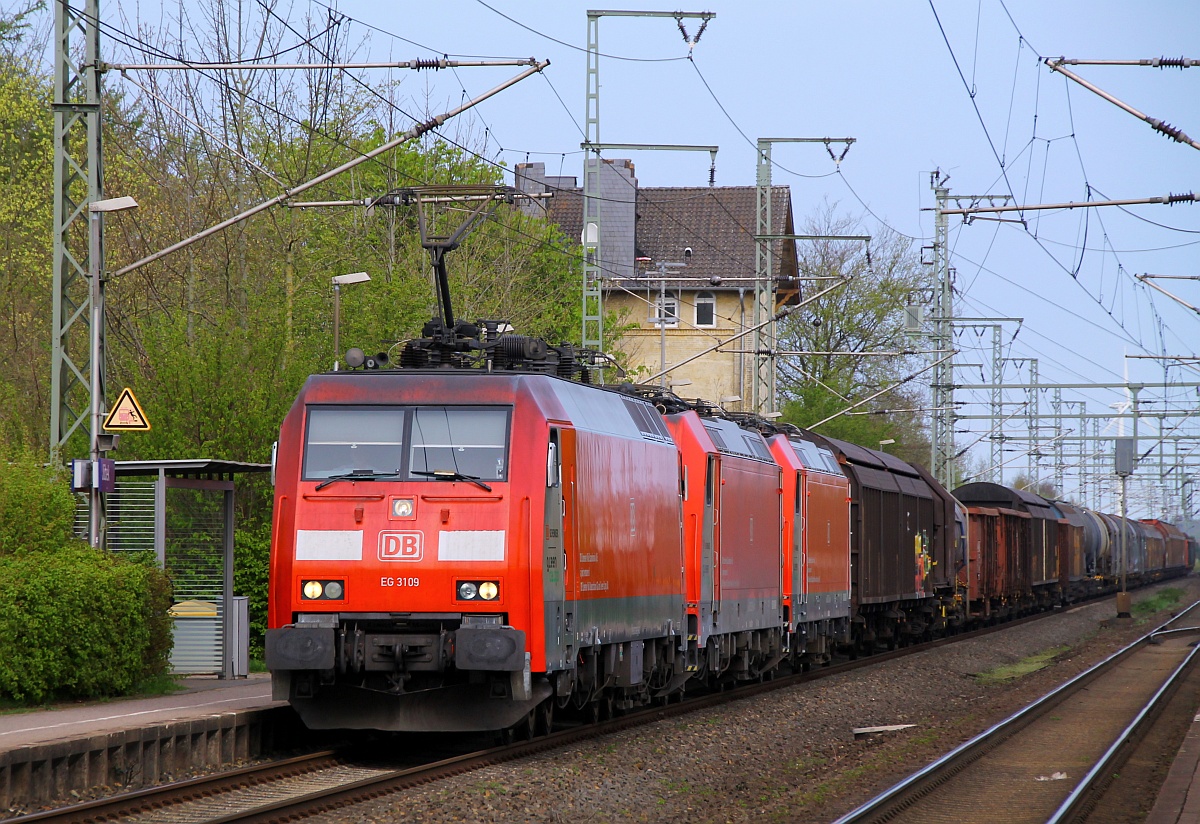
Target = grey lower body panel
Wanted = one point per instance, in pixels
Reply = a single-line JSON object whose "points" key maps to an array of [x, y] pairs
{"points": [[616, 620], [459, 708], [745, 614], [824, 606]]}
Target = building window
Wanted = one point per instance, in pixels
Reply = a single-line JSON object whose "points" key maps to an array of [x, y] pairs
{"points": [[666, 308], [706, 309]]}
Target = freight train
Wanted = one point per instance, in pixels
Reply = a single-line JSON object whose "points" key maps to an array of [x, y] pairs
{"points": [[480, 538]]}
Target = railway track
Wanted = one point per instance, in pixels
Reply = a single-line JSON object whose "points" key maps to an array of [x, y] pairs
{"points": [[1050, 761], [328, 780]]}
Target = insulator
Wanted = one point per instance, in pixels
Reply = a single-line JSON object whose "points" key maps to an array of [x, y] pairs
{"points": [[1167, 129], [1174, 62], [427, 63], [1185, 197]]}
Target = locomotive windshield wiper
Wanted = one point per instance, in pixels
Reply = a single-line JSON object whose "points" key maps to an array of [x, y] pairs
{"points": [[452, 475], [357, 475]]}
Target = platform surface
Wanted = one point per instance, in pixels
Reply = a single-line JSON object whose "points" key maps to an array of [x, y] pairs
{"points": [[1179, 798], [201, 696]]}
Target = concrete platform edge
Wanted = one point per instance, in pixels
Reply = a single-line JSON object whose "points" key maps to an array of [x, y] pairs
{"points": [[1179, 797], [130, 759]]}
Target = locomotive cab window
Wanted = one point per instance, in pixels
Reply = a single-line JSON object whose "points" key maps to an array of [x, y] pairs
{"points": [[471, 442], [348, 439], [425, 443]]}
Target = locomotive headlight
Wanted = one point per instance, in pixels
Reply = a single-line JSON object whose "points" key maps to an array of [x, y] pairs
{"points": [[467, 591], [402, 507], [323, 590], [488, 591]]}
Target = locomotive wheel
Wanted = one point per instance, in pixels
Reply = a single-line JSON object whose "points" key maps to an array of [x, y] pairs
{"points": [[523, 730], [545, 717], [527, 727]]}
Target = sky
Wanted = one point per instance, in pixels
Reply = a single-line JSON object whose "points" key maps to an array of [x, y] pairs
{"points": [[921, 85]]}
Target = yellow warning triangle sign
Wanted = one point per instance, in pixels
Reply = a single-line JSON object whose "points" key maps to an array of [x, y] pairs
{"points": [[127, 415]]}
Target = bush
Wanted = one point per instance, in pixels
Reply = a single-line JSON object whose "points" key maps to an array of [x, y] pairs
{"points": [[79, 623], [251, 577], [37, 509]]}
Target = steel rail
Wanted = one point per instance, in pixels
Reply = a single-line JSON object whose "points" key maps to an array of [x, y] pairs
{"points": [[358, 791], [1083, 791], [136, 801], [941, 769]]}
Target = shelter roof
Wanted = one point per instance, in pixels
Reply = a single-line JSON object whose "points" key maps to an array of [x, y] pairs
{"points": [[189, 468]]}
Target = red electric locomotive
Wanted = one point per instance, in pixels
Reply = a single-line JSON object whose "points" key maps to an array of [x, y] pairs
{"points": [[816, 545], [732, 534], [452, 549]]}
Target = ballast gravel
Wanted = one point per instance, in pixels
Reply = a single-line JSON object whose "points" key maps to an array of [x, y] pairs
{"points": [[790, 755]]}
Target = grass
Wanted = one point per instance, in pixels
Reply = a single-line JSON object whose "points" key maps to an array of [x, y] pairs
{"points": [[1011, 672], [1163, 599], [165, 684]]}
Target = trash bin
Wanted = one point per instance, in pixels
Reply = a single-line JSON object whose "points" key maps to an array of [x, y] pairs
{"points": [[240, 633], [198, 640]]}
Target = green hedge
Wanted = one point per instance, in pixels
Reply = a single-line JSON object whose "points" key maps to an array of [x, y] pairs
{"points": [[74, 622], [37, 509], [79, 623]]}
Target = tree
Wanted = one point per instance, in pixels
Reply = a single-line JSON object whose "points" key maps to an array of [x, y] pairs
{"points": [[844, 333], [1044, 488], [26, 149]]}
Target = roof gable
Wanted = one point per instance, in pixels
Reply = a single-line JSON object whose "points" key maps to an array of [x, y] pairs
{"points": [[716, 223]]}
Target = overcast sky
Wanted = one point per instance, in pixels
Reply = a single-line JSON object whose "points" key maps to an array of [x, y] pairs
{"points": [[955, 86]]}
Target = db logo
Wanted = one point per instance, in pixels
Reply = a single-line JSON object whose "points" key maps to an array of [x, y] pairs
{"points": [[399, 546]]}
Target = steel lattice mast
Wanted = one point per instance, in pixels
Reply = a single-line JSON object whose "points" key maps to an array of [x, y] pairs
{"points": [[78, 181]]}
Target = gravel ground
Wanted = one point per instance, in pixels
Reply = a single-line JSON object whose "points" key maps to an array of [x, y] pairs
{"points": [[787, 756]]}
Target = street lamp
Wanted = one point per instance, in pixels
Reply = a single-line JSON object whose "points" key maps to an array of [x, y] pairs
{"points": [[885, 442], [338, 282], [96, 210]]}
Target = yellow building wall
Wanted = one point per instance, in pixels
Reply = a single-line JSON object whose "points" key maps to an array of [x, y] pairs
{"points": [[714, 376]]}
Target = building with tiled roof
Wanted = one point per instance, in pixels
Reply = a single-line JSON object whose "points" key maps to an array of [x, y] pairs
{"points": [[707, 300]]}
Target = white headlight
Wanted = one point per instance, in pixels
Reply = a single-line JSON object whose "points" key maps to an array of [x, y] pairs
{"points": [[312, 589], [488, 591]]}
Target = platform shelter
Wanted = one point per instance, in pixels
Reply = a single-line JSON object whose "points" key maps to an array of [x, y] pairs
{"points": [[182, 511]]}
